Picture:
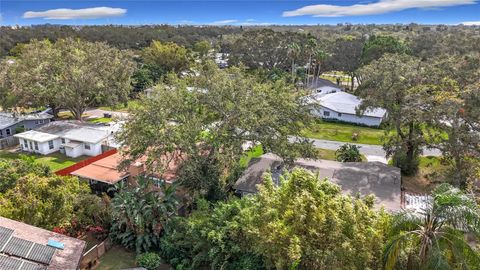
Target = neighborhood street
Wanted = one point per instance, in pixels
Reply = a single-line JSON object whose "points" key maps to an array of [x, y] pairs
{"points": [[371, 152]]}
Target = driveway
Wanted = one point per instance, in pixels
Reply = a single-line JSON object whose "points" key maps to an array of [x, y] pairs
{"points": [[371, 152]]}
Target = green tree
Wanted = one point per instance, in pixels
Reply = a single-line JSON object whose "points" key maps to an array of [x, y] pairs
{"points": [[168, 56], [139, 214], [377, 46], [43, 201], [213, 236], [395, 83], [12, 170], [348, 153], [306, 223], [435, 238], [347, 56], [202, 48], [70, 73], [221, 110]]}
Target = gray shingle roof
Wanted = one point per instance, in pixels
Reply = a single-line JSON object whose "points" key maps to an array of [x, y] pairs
{"points": [[362, 178]]}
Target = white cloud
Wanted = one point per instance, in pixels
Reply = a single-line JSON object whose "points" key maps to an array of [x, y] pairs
{"points": [[68, 14], [471, 23], [223, 22], [371, 8]]}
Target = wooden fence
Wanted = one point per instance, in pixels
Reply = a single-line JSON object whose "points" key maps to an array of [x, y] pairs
{"points": [[91, 258], [8, 142], [83, 163]]}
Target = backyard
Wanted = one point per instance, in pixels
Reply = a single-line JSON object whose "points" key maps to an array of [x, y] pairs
{"points": [[56, 161], [344, 133], [431, 171], [117, 258]]}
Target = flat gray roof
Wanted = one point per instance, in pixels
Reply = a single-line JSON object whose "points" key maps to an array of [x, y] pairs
{"points": [[362, 178], [75, 131]]}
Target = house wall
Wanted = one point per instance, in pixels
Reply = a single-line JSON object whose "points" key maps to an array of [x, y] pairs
{"points": [[95, 149], [74, 152], [26, 124], [350, 118], [43, 147], [3, 131]]}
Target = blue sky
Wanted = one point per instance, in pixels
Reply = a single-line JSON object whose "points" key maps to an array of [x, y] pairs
{"points": [[240, 12]]}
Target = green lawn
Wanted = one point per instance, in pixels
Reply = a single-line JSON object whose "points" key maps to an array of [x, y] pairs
{"points": [[343, 133], [257, 151], [121, 107], [100, 120], [117, 258], [55, 161]]}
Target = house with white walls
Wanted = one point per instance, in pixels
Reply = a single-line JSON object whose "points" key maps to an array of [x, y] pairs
{"points": [[342, 106], [72, 139]]}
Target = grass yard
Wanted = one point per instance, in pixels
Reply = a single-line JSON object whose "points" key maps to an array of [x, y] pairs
{"points": [[258, 151], [431, 172], [117, 258], [343, 133], [100, 120], [121, 107], [55, 161], [65, 115]]}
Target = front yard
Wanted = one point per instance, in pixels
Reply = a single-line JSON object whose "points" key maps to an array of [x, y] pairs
{"points": [[344, 133], [55, 161]]}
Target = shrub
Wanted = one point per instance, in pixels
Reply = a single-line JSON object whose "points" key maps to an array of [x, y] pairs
{"points": [[149, 260], [348, 153]]}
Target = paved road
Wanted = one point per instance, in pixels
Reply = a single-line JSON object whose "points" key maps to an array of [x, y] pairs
{"points": [[371, 152]]}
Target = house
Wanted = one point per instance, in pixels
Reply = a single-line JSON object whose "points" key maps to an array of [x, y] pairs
{"points": [[73, 139], [23, 246], [342, 106], [10, 124], [105, 172], [363, 178]]}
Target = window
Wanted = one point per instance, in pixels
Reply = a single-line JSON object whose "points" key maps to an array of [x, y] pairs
{"points": [[36, 146], [25, 143], [8, 131], [40, 121], [339, 115], [87, 146], [36, 122], [50, 145], [325, 113], [1, 133], [31, 145], [63, 140]]}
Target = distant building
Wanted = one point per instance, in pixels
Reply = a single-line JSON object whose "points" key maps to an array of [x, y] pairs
{"points": [[342, 106], [74, 139], [10, 124], [23, 246], [363, 178]]}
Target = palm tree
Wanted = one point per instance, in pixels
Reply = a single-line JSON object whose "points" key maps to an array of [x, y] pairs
{"points": [[348, 153], [293, 51], [311, 46], [320, 56], [435, 237]]}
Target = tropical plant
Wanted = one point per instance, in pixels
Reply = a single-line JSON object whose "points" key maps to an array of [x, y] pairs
{"points": [[149, 260], [140, 212], [434, 238], [348, 153]]}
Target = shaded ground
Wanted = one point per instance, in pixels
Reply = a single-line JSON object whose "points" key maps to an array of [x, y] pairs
{"points": [[55, 161], [117, 258], [431, 172]]}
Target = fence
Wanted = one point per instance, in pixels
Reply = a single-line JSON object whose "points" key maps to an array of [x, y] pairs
{"points": [[83, 163], [8, 141], [91, 258]]}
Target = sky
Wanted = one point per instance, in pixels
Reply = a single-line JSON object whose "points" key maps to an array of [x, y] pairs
{"points": [[238, 12]]}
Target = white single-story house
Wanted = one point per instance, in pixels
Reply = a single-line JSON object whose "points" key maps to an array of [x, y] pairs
{"points": [[72, 139], [342, 106]]}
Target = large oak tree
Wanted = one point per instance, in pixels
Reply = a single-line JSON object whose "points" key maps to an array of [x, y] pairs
{"points": [[70, 73]]}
